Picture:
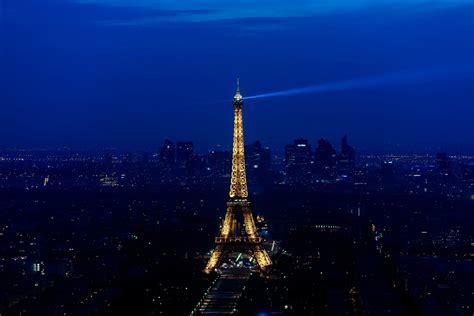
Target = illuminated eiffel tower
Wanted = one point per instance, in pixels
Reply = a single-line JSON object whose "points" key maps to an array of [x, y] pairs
{"points": [[238, 232]]}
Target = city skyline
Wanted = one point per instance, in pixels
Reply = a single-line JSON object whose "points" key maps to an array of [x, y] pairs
{"points": [[273, 157], [117, 234], [278, 149]]}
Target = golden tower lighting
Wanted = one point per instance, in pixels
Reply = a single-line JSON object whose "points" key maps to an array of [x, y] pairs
{"points": [[236, 235]]}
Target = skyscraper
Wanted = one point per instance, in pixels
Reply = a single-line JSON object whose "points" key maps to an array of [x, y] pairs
{"points": [[220, 163], [325, 160], [298, 153], [167, 155], [443, 164], [346, 160], [387, 175], [298, 162], [184, 153], [258, 160], [325, 154]]}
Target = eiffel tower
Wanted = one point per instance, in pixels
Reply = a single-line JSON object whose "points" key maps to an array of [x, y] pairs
{"points": [[238, 232]]}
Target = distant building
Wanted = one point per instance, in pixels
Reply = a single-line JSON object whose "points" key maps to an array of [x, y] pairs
{"points": [[387, 175], [298, 153], [257, 156], [196, 168], [108, 160], [184, 153], [167, 155], [325, 159], [298, 162], [128, 158], [468, 172], [219, 163], [258, 161], [346, 159], [443, 163], [325, 155]]}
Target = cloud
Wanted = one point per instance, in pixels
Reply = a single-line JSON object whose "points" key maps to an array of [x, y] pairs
{"points": [[216, 10]]}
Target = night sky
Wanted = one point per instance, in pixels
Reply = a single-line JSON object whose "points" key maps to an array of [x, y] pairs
{"points": [[129, 73]]}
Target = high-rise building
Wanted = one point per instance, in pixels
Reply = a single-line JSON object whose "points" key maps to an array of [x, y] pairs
{"points": [[347, 152], [167, 155], [258, 160], [108, 160], [443, 164], [325, 156], [184, 153], [468, 173], [196, 168], [298, 153], [128, 160], [219, 163], [387, 175], [325, 160], [298, 162], [346, 160]]}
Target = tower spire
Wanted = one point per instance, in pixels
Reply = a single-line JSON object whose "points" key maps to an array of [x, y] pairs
{"points": [[238, 97], [238, 182]]}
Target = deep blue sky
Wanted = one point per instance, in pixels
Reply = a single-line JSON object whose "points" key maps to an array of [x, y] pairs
{"points": [[123, 73]]}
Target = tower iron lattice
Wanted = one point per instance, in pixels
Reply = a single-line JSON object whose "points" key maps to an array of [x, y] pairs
{"points": [[238, 235]]}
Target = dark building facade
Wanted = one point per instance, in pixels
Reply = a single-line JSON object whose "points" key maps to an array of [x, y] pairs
{"points": [[258, 161], [325, 160], [347, 159], [184, 153], [167, 154], [443, 164], [298, 162], [219, 163]]}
